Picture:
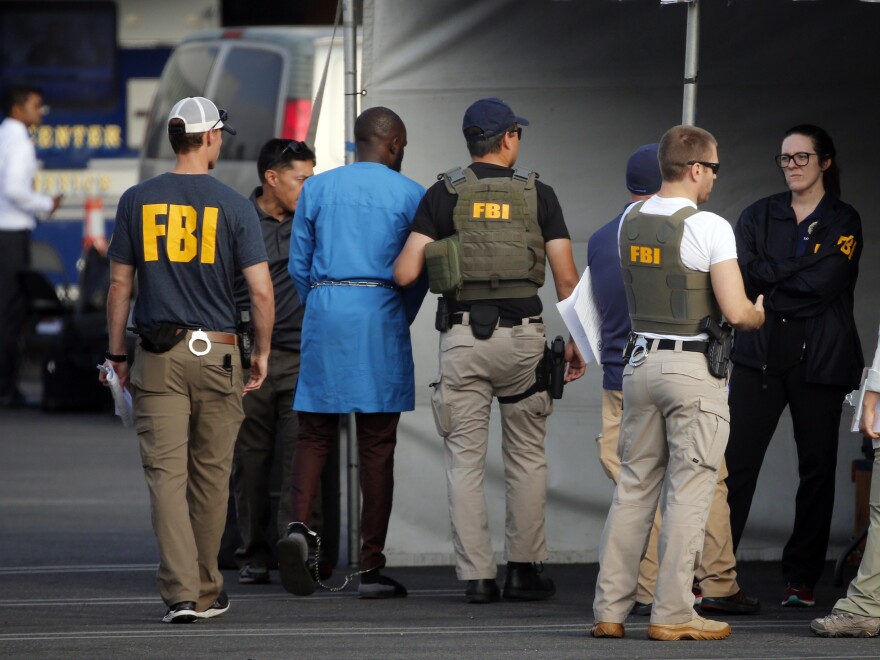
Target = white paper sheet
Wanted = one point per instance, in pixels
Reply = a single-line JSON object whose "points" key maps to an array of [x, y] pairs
{"points": [[582, 318], [121, 397], [856, 399]]}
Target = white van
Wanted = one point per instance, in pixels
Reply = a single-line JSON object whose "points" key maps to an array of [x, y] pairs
{"points": [[266, 78]]}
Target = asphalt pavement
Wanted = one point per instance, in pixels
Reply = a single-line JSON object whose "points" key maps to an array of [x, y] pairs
{"points": [[77, 580]]}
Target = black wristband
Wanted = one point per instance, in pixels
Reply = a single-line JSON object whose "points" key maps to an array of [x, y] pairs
{"points": [[115, 358]]}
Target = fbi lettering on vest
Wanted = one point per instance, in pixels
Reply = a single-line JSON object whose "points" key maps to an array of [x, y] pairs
{"points": [[490, 211], [644, 255]]}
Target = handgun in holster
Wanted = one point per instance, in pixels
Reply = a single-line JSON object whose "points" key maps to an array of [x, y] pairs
{"points": [[557, 367], [720, 346]]}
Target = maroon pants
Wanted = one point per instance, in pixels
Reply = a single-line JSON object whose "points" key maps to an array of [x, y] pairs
{"points": [[377, 437]]}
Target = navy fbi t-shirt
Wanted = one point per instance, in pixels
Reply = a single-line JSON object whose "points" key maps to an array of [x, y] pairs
{"points": [[187, 235]]}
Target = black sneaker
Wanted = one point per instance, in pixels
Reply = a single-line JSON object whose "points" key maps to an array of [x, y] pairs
{"points": [[182, 612], [293, 554], [216, 608], [255, 573], [738, 603], [524, 582], [375, 585]]}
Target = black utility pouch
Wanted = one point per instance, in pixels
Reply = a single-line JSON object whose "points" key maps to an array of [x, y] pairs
{"points": [[484, 319], [441, 319], [162, 338]]}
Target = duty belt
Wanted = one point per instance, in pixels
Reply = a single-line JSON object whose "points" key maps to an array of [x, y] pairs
{"points": [[670, 345], [458, 318], [208, 338], [364, 283]]}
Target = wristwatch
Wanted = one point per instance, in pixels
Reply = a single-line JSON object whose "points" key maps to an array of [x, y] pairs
{"points": [[113, 357]]}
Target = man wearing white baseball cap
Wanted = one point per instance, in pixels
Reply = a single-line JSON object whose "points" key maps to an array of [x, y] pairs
{"points": [[186, 235]]}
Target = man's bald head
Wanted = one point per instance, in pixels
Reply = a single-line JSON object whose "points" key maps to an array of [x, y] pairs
{"points": [[380, 137]]}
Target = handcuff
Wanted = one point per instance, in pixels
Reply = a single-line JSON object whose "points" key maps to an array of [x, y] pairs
{"points": [[199, 335], [639, 352]]}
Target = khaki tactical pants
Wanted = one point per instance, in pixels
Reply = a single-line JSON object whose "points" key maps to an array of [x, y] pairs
{"points": [[716, 577], [863, 594], [673, 435], [472, 372], [187, 413]]}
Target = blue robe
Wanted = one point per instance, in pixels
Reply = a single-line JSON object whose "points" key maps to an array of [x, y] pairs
{"points": [[350, 225]]}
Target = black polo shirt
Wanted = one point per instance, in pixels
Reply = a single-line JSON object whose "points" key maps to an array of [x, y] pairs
{"points": [[434, 219], [287, 331]]}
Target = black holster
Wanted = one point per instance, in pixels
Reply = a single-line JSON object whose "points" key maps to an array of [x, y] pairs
{"points": [[162, 338], [720, 346], [245, 332]]}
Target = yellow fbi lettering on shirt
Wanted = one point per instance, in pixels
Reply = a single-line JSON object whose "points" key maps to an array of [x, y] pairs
{"points": [[490, 211], [185, 236], [641, 254]]}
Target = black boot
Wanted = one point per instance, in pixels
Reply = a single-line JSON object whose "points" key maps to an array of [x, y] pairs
{"points": [[482, 591], [524, 582]]}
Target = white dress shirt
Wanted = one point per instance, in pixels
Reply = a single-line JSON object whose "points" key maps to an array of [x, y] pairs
{"points": [[19, 202]]}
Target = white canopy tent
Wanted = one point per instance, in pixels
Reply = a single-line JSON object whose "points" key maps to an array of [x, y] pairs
{"points": [[596, 79]]}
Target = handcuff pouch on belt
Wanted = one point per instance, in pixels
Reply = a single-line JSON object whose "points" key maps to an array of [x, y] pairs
{"points": [[162, 338], [483, 320]]}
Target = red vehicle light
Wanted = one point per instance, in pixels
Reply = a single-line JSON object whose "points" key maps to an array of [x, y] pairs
{"points": [[297, 114]]}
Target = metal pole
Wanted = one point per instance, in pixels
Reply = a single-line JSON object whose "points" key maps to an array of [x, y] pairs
{"points": [[349, 31], [691, 65]]}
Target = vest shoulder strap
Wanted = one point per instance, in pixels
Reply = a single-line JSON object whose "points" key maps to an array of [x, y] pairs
{"points": [[669, 227], [630, 224], [457, 177]]}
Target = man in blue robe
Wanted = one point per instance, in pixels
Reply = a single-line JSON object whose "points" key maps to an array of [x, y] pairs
{"points": [[351, 224]]}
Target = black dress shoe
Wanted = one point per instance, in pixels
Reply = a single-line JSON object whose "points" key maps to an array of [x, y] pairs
{"points": [[641, 609], [524, 582], [482, 591], [738, 603]]}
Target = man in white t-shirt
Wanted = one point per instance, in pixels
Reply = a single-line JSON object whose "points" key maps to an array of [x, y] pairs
{"points": [[679, 268]]}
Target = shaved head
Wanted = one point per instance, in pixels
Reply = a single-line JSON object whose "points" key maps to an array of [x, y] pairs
{"points": [[377, 124], [380, 136]]}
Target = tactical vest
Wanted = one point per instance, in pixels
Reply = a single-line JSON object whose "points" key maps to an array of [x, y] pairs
{"points": [[497, 250], [663, 295]]}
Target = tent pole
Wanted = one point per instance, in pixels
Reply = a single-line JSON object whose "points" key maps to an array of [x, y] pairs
{"points": [[691, 65], [349, 32]]}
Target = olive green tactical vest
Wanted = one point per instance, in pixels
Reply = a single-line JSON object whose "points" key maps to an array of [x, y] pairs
{"points": [[497, 250], [663, 295]]}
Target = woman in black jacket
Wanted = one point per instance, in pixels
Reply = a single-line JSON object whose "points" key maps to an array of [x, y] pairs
{"points": [[800, 249]]}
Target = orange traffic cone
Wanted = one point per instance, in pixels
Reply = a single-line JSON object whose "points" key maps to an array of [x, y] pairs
{"points": [[94, 231]]}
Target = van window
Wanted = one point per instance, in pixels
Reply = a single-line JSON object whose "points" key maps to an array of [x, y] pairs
{"points": [[186, 74], [248, 88]]}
